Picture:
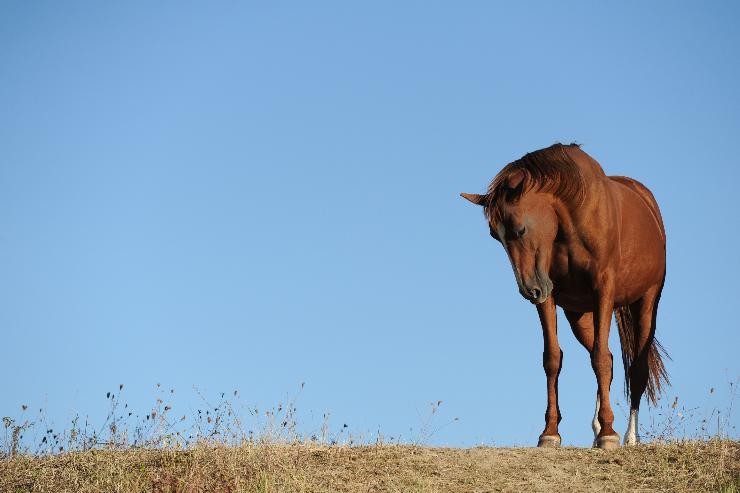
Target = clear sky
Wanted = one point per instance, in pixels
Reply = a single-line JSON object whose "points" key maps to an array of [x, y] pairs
{"points": [[250, 195]]}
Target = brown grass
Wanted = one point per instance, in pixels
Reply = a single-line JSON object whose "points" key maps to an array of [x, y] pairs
{"points": [[689, 466], [226, 446]]}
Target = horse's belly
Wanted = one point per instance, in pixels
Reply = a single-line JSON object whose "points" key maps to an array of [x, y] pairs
{"points": [[579, 298], [575, 303]]}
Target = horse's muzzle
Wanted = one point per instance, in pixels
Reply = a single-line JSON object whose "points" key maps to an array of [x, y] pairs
{"points": [[537, 292]]}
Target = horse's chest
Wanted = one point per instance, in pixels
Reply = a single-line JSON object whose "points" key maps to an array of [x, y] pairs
{"points": [[573, 289], [567, 267]]}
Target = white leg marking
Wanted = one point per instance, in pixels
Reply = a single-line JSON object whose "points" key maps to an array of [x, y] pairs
{"points": [[631, 437], [595, 425]]}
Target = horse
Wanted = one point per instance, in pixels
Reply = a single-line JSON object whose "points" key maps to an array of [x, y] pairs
{"points": [[593, 245]]}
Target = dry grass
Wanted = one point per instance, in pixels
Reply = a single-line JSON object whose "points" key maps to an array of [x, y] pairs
{"points": [[690, 466], [227, 446]]}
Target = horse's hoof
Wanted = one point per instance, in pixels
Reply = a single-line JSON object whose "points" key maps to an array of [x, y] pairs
{"points": [[631, 441], [608, 442], [549, 441]]}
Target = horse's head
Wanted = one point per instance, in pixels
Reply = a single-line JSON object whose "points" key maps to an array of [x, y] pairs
{"points": [[524, 221]]}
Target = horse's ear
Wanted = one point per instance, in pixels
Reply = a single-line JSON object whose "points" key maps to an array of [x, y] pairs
{"points": [[514, 180], [474, 198], [513, 186]]}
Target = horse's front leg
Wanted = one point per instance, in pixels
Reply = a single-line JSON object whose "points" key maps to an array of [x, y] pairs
{"points": [[552, 358], [602, 363]]}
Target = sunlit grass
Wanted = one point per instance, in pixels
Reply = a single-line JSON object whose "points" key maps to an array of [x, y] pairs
{"points": [[226, 445]]}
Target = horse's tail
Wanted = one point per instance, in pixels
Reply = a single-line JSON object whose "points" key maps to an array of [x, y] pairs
{"points": [[657, 373]]}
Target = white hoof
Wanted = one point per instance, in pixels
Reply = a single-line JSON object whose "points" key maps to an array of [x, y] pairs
{"points": [[608, 442], [549, 441], [631, 441]]}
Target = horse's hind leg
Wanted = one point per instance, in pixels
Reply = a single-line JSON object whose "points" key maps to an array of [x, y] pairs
{"points": [[643, 313]]}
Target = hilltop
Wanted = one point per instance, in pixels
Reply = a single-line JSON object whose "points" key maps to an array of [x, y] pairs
{"points": [[689, 466]]}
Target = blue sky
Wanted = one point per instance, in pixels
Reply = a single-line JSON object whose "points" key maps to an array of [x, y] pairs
{"points": [[251, 195]]}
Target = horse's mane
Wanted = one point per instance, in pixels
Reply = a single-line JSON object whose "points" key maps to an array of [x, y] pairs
{"points": [[550, 170]]}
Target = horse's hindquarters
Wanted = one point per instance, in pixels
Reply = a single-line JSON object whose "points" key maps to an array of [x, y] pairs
{"points": [[641, 242]]}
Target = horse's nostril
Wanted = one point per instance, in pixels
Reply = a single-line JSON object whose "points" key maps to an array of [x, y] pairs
{"points": [[535, 293]]}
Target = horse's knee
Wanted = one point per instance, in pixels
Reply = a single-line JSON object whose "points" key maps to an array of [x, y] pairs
{"points": [[552, 362], [601, 359]]}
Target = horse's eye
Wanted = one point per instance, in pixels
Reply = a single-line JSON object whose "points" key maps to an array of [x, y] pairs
{"points": [[521, 231]]}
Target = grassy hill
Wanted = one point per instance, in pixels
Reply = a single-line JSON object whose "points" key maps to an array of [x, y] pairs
{"points": [[690, 466]]}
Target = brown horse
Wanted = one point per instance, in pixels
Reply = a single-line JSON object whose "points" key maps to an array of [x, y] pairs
{"points": [[591, 244]]}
